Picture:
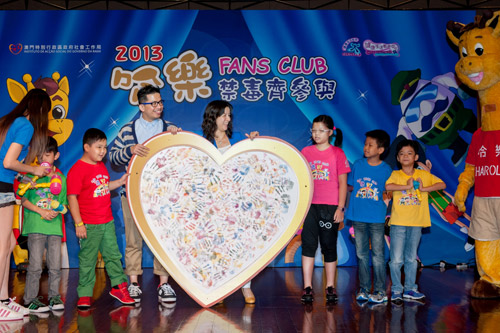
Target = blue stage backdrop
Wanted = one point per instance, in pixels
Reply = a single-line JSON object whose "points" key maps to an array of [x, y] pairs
{"points": [[279, 69]]}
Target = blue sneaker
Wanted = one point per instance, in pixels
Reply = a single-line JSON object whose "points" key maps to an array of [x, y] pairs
{"points": [[396, 296], [362, 295], [378, 297], [413, 294]]}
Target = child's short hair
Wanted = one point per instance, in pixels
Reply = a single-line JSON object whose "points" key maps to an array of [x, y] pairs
{"points": [[382, 138], [51, 146], [93, 135], [407, 143]]}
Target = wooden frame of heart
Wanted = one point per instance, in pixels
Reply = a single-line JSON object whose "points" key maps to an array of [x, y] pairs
{"points": [[215, 220]]}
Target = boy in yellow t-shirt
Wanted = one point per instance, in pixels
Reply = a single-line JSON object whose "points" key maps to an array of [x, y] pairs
{"points": [[410, 213]]}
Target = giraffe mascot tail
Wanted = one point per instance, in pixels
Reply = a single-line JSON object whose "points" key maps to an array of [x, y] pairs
{"points": [[479, 68]]}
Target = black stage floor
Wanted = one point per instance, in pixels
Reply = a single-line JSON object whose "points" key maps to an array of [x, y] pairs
{"points": [[447, 308]]}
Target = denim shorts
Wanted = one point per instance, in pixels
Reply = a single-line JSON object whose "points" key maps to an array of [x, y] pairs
{"points": [[7, 199]]}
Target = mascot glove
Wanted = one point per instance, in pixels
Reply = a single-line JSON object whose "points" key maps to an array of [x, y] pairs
{"points": [[465, 182]]}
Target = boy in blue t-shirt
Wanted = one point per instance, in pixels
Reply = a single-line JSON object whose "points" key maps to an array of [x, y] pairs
{"points": [[43, 226], [367, 211]]}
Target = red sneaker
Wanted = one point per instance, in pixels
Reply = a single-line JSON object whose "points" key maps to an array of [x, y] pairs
{"points": [[122, 294], [84, 302]]}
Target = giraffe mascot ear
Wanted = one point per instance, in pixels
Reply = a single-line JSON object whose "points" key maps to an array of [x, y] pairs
{"points": [[478, 45]]}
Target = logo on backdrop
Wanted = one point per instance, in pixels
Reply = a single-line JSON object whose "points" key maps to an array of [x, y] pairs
{"points": [[15, 48], [55, 48], [352, 48]]}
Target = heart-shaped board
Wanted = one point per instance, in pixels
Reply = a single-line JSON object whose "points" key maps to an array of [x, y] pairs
{"points": [[215, 220]]}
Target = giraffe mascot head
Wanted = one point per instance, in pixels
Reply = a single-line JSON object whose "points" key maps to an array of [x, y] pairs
{"points": [[479, 68]]}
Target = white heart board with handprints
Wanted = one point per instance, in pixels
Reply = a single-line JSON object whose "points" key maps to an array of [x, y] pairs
{"points": [[215, 220]]}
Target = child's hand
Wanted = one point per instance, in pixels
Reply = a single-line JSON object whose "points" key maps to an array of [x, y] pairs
{"points": [[409, 183], [123, 179], [81, 232], [339, 215], [48, 214]]}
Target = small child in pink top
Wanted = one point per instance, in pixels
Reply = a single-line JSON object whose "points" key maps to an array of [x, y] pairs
{"points": [[329, 168]]}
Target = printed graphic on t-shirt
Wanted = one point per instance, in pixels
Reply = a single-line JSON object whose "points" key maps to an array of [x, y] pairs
{"points": [[101, 183], [320, 170], [45, 198], [409, 199], [488, 164], [368, 189]]}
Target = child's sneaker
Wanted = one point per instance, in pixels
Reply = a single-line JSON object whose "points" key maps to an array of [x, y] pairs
{"points": [[396, 296], [166, 294], [11, 304], [7, 314], [37, 307], [362, 295], [378, 297], [413, 294], [135, 292], [331, 295], [56, 304], [307, 295], [83, 303], [121, 294]]}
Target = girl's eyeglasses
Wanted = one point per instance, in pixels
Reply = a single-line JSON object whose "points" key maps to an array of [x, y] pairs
{"points": [[314, 131]]}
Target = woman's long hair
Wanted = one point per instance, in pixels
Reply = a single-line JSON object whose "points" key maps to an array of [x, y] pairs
{"points": [[214, 110], [36, 106]]}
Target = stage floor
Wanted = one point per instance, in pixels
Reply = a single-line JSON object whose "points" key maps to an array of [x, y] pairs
{"points": [[447, 308]]}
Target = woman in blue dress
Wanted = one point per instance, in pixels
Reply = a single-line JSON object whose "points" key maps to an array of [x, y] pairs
{"points": [[217, 128]]}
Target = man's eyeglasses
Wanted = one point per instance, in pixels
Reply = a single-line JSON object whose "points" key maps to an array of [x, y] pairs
{"points": [[155, 103]]}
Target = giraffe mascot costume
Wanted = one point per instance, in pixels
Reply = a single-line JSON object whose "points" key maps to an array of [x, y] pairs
{"points": [[479, 68]]}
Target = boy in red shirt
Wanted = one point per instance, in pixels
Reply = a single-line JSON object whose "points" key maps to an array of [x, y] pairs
{"points": [[90, 206]]}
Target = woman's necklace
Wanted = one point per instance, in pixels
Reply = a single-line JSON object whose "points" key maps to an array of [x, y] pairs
{"points": [[220, 140]]}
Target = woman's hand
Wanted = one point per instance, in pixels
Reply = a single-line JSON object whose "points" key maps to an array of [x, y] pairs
{"points": [[40, 171], [252, 135]]}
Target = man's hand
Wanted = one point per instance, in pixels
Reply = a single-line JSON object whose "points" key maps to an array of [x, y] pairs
{"points": [[140, 150], [173, 129]]}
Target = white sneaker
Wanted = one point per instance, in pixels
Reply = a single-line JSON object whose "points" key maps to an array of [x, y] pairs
{"points": [[17, 307], [7, 314], [135, 292], [166, 294]]}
